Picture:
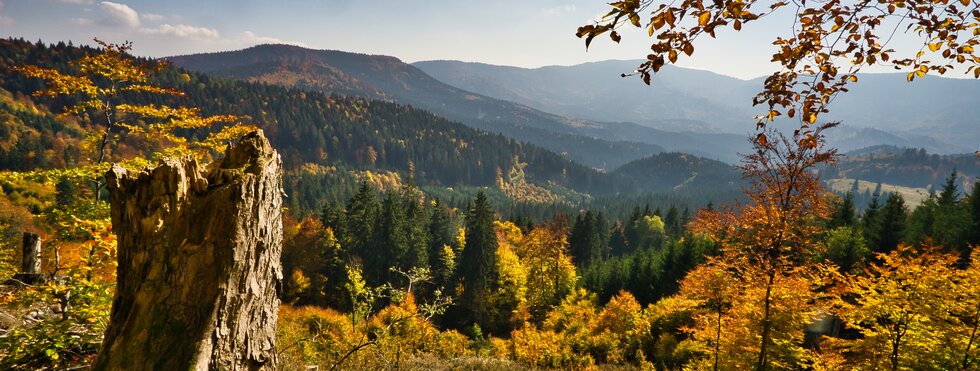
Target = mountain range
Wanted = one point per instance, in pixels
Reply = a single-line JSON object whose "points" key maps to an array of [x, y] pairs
{"points": [[338, 110], [601, 144], [934, 113], [590, 114]]}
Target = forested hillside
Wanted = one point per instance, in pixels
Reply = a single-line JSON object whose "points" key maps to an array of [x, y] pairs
{"points": [[909, 167], [387, 78], [412, 241], [310, 127]]}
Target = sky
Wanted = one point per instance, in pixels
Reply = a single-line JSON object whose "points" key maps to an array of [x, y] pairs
{"points": [[504, 32]]}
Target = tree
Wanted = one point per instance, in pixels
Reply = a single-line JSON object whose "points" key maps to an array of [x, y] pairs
{"points": [[951, 223], [102, 86], [478, 263], [102, 82], [844, 214], [827, 45], [899, 309], [359, 221], [890, 226], [772, 239], [974, 209], [442, 259], [389, 244], [846, 248], [869, 220], [713, 292]]}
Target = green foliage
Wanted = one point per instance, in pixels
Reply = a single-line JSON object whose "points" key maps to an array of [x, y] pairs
{"points": [[846, 248], [478, 261], [73, 310]]}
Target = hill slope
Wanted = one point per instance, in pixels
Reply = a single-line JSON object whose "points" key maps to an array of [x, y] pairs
{"points": [[387, 78], [673, 171], [309, 128], [605, 144]]}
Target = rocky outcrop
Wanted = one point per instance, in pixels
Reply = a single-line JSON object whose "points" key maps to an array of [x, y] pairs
{"points": [[199, 263]]}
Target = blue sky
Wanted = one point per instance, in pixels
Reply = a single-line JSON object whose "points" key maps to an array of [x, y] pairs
{"points": [[506, 32]]}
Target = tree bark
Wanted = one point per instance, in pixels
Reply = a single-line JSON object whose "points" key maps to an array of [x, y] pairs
{"points": [[30, 263], [199, 263], [766, 324]]}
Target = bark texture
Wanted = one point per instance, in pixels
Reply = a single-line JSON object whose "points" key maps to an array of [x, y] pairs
{"points": [[31, 261], [199, 263]]}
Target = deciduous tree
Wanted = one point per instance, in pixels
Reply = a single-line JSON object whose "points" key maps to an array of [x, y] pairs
{"points": [[826, 45]]}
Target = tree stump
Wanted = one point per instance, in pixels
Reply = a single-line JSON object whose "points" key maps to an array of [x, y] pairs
{"points": [[30, 262], [199, 263]]}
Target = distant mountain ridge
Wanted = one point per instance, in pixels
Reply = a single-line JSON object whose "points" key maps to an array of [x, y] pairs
{"points": [[940, 114], [387, 78], [601, 144]]}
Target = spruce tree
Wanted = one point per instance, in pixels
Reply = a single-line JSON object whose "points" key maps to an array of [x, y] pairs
{"points": [[891, 225], [478, 264], [358, 223], [869, 221], [441, 262], [974, 209], [389, 245], [844, 215]]}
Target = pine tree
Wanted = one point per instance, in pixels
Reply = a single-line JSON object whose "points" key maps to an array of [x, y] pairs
{"points": [[441, 241], [389, 244], [617, 240], [951, 224], [844, 214], [869, 220], [416, 229], [358, 222], [891, 225], [974, 206], [672, 220], [602, 236], [478, 264]]}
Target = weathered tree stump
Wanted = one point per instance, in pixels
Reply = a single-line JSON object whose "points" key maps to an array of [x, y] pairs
{"points": [[199, 263], [30, 262]]}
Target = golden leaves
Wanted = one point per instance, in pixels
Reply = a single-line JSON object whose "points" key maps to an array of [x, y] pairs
{"points": [[156, 125], [815, 67]]}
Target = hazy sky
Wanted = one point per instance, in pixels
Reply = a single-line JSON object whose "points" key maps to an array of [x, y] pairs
{"points": [[528, 33]]}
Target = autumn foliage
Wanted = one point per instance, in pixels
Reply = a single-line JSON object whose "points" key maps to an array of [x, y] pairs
{"points": [[826, 44]]}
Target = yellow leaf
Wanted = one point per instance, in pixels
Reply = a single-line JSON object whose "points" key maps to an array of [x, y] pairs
{"points": [[704, 18], [934, 46], [910, 76]]}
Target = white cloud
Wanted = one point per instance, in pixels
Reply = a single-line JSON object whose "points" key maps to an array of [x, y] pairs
{"points": [[182, 31], [560, 9], [119, 15], [250, 38], [83, 21], [152, 17]]}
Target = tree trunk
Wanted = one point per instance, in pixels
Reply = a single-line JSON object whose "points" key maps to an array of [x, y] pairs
{"points": [[199, 263], [766, 324], [31, 261]]}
